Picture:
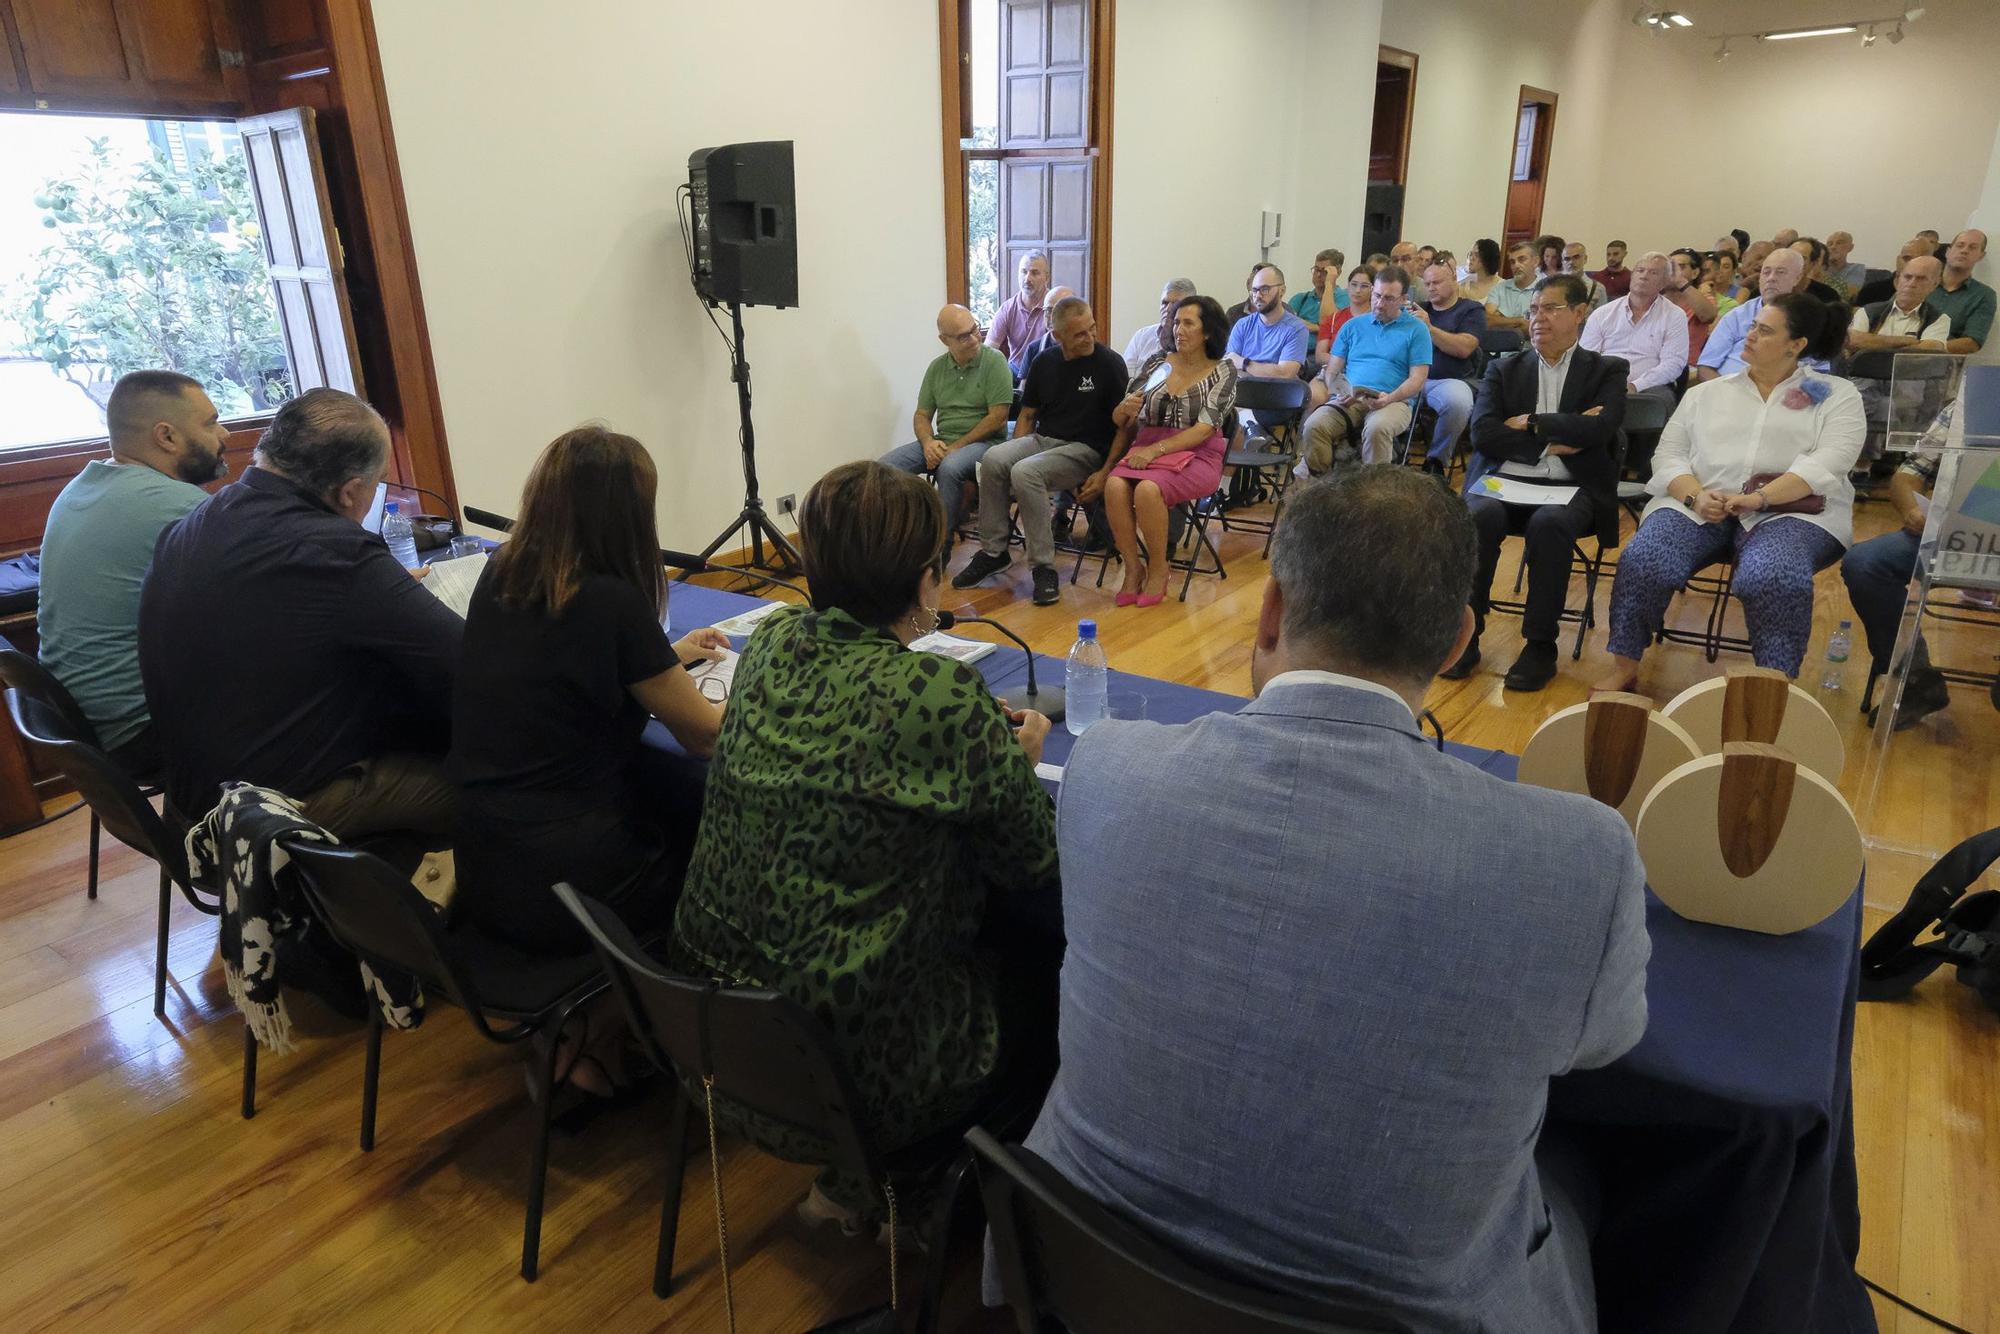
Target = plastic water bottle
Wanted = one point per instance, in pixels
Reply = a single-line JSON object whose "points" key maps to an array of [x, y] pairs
{"points": [[1085, 680], [1838, 645], [400, 536]]}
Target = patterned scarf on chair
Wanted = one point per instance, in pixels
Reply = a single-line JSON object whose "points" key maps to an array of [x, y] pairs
{"points": [[269, 933]]}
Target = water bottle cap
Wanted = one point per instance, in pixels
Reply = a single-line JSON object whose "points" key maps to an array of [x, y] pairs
{"points": [[388, 507], [1086, 629]]}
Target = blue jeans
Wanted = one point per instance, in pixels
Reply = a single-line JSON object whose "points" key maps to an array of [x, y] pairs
{"points": [[958, 468], [1878, 574], [1451, 400]]}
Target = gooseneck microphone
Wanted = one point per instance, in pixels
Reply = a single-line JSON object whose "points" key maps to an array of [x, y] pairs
{"points": [[1045, 700]]}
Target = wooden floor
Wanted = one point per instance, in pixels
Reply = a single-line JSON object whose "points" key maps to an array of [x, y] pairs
{"points": [[136, 1199]]}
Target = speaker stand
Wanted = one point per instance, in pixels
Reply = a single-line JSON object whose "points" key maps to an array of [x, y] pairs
{"points": [[784, 556]]}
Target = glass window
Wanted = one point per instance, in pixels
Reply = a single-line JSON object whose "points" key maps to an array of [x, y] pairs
{"points": [[1524, 141], [128, 244]]}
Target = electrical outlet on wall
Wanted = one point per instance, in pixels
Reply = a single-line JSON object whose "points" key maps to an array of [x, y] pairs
{"points": [[787, 505]]}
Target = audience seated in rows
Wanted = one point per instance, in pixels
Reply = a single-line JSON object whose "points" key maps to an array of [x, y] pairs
{"points": [[1839, 273], [1061, 441], [1813, 251], [1360, 288], [166, 442], [1647, 332], [1455, 324], [962, 409], [1048, 340], [1159, 335], [1878, 573], [1779, 274], [1378, 364], [1507, 302], [1720, 280], [1906, 322], [1614, 277], [282, 645], [1380, 1141], [1696, 300], [1576, 260], [1242, 308], [1881, 289], [1750, 270], [1173, 431], [866, 807], [564, 659], [1550, 416], [1021, 318], [1752, 467], [1326, 293], [1402, 254]]}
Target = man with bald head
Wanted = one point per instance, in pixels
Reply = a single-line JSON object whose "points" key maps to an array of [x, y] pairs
{"points": [[961, 409], [166, 442], [1159, 335], [1785, 237], [1047, 340], [1963, 297], [1883, 288], [1062, 443], [1269, 340], [1843, 275], [282, 645], [1907, 322], [1723, 355]]}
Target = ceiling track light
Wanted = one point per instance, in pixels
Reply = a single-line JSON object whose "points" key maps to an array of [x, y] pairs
{"points": [[1722, 52], [1896, 34], [1868, 38]]}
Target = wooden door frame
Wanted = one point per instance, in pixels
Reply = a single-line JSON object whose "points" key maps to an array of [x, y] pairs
{"points": [[1545, 132], [955, 121], [1395, 55]]}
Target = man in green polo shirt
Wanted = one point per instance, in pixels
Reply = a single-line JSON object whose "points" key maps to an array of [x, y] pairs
{"points": [[961, 410], [166, 440], [1966, 301]]}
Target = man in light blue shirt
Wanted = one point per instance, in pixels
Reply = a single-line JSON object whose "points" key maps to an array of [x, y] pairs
{"points": [[166, 439], [1269, 340], [1379, 362], [1723, 354]]}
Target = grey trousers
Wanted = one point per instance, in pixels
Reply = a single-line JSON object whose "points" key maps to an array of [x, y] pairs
{"points": [[1028, 471]]}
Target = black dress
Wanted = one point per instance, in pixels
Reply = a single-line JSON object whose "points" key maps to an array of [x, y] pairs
{"points": [[555, 782]]}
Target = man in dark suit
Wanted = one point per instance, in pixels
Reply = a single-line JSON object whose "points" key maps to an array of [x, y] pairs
{"points": [[1546, 417]]}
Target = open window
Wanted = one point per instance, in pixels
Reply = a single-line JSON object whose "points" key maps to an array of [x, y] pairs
{"points": [[301, 249]]}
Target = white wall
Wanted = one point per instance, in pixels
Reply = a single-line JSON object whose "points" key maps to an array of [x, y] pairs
{"points": [[539, 160]]}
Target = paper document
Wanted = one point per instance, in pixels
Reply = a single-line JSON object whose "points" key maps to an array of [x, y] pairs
{"points": [[1516, 491], [452, 581], [965, 650], [744, 622], [1050, 772], [715, 678]]}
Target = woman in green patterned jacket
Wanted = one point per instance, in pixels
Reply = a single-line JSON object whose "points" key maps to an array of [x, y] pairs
{"points": [[863, 802]]}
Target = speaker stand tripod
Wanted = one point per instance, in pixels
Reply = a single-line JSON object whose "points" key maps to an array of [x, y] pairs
{"points": [[784, 556]]}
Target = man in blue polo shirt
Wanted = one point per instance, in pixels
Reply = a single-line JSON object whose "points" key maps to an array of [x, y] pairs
{"points": [[1269, 340], [1379, 363]]}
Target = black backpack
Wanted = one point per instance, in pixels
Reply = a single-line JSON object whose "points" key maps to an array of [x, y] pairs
{"points": [[1968, 929]]}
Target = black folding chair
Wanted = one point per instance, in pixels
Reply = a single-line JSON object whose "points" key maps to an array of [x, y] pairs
{"points": [[27, 675], [373, 911], [1499, 342], [769, 1056], [1062, 1255], [1270, 454], [116, 801]]}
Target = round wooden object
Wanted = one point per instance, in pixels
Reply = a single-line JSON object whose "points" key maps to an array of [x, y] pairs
{"points": [[1556, 757], [1807, 857], [1802, 725]]}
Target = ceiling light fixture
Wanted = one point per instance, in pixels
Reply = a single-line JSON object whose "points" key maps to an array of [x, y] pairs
{"points": [[1722, 52], [1795, 33], [1678, 19], [1868, 38], [1896, 34], [1913, 13]]}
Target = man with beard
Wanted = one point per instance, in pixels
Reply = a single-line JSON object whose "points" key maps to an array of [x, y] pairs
{"points": [[1021, 318], [1269, 340], [166, 441]]}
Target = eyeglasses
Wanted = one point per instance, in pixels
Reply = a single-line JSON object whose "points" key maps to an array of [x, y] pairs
{"points": [[962, 337], [1261, 290]]}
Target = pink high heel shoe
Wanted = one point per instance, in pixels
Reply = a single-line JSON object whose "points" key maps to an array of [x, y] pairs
{"points": [[1127, 599], [1151, 599]]}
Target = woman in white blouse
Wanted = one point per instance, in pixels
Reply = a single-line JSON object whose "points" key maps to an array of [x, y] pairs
{"points": [[1752, 465]]}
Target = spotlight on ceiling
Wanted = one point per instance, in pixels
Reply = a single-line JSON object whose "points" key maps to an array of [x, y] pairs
{"points": [[1868, 38], [1895, 34], [1678, 19], [1722, 52], [1913, 13]]}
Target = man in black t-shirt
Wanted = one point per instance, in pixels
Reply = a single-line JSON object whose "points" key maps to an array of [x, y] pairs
{"points": [[1063, 436]]}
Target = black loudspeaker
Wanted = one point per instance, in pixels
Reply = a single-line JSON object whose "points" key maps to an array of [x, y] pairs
{"points": [[1382, 219], [746, 248]]}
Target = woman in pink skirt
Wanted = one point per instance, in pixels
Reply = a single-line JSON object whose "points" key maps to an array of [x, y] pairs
{"points": [[1170, 443]]}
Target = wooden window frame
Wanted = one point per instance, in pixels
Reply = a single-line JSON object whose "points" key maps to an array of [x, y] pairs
{"points": [[955, 119], [1401, 59], [1545, 135]]}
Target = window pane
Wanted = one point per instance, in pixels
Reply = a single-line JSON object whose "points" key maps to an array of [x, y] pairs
{"points": [[127, 244], [1524, 141], [982, 237]]}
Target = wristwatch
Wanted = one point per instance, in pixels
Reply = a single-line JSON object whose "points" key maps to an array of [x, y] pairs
{"points": [[1688, 499]]}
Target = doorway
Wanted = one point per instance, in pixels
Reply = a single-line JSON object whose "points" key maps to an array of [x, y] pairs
{"points": [[1389, 148], [1528, 164], [1027, 145]]}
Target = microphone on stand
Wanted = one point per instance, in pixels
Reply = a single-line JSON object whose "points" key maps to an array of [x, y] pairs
{"points": [[1045, 700]]}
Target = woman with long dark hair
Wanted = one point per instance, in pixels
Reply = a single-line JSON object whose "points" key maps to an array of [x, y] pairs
{"points": [[565, 657]]}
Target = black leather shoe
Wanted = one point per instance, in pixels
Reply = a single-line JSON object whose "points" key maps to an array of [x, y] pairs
{"points": [[1925, 693], [1048, 588], [1467, 660], [1534, 669], [980, 567]]}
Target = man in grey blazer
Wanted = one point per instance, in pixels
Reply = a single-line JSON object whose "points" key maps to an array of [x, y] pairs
{"points": [[1313, 998]]}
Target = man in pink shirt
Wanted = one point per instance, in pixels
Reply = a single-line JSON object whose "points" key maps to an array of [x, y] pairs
{"points": [[1021, 319]]}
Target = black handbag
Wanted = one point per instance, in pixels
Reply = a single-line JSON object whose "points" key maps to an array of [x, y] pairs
{"points": [[1967, 927]]}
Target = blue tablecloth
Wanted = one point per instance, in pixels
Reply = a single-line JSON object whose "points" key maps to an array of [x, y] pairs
{"points": [[1723, 1142]]}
